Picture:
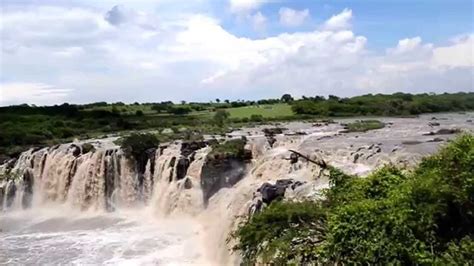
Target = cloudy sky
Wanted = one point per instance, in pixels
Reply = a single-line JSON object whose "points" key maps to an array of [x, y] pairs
{"points": [[55, 51]]}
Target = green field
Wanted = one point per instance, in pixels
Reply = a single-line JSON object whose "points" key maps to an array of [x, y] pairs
{"points": [[266, 110]]}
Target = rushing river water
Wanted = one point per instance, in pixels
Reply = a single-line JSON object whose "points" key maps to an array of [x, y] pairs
{"points": [[95, 208]]}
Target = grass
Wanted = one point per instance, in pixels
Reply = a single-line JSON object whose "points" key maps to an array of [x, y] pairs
{"points": [[267, 110]]}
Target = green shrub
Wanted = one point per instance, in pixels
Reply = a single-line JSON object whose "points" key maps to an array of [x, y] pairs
{"points": [[425, 216], [135, 145], [232, 148]]}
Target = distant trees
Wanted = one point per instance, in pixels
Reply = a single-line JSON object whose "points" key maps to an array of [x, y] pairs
{"points": [[181, 110], [286, 98], [220, 117]]}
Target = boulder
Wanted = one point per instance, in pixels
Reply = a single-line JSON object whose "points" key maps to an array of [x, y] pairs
{"points": [[182, 167]]}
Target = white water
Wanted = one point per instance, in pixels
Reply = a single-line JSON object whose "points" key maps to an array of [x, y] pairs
{"points": [[92, 209]]}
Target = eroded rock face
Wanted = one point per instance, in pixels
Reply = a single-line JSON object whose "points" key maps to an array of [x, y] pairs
{"points": [[182, 167], [267, 193], [220, 173], [443, 131]]}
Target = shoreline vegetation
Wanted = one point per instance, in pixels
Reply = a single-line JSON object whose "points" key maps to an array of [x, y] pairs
{"points": [[25, 126], [421, 216]]}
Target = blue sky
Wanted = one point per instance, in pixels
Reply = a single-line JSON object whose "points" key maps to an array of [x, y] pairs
{"points": [[121, 50]]}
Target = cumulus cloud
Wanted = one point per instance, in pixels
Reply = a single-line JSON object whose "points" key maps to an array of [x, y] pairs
{"points": [[38, 93], [339, 21], [55, 54], [258, 21], [243, 6], [291, 17]]}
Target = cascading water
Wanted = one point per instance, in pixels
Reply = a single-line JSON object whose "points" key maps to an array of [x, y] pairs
{"points": [[71, 206]]}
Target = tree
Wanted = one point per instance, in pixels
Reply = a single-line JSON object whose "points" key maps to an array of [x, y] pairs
{"points": [[286, 98], [227, 101], [220, 117], [160, 107], [179, 110], [218, 100]]}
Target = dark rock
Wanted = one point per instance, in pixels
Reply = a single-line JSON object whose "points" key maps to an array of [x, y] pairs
{"points": [[443, 131], [188, 184], [436, 140], [187, 148], [182, 167], [469, 120], [172, 162], [293, 158], [75, 150], [411, 142], [433, 124], [271, 192], [378, 150], [356, 158], [220, 173]]}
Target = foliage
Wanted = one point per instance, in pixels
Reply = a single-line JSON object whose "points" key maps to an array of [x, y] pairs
{"points": [[364, 125], [234, 148], [136, 145], [87, 147], [220, 117], [398, 104], [425, 216]]}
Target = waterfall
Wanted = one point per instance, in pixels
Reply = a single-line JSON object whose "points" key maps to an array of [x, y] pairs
{"points": [[177, 179]]}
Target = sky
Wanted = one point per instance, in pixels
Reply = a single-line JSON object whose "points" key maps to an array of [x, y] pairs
{"points": [[55, 51]]}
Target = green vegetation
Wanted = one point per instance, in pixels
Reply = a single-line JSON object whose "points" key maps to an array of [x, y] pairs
{"points": [[425, 216], [398, 104], [136, 145], [364, 125], [267, 111], [25, 126], [233, 148]]}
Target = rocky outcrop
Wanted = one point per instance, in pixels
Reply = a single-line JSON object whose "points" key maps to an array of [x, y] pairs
{"points": [[270, 134], [444, 131], [267, 193], [225, 165]]}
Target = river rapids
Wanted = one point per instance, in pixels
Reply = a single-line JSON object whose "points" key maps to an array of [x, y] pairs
{"points": [[63, 205]]}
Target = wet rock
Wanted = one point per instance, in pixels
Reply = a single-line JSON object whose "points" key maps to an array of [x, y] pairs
{"points": [[444, 131], [378, 150], [356, 158], [436, 140], [75, 150], [220, 173], [469, 120], [172, 162], [187, 148], [433, 124], [182, 168], [293, 158], [411, 142], [188, 184], [270, 192]]}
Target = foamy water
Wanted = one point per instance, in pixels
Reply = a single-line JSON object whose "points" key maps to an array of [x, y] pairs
{"points": [[55, 236]]}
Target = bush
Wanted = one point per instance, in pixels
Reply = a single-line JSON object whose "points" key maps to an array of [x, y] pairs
{"points": [[136, 145], [256, 118], [232, 148], [390, 217]]}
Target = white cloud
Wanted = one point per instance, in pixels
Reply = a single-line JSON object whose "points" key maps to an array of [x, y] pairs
{"points": [[291, 17], [38, 93], [259, 21], [83, 58], [339, 21], [244, 6], [459, 54]]}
